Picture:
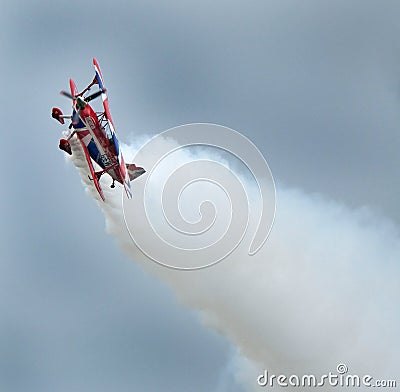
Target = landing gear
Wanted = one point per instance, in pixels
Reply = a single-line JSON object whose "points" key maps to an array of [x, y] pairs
{"points": [[65, 146], [98, 174]]}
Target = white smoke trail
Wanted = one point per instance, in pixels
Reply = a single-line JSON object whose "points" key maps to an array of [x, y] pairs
{"points": [[323, 290]]}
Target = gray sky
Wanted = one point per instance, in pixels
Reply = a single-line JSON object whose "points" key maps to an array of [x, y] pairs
{"points": [[315, 85]]}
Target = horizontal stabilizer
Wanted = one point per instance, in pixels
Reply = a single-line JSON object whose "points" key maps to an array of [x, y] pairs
{"points": [[134, 171]]}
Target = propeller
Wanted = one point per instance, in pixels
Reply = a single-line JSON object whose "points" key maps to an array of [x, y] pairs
{"points": [[67, 94], [81, 102], [95, 95], [87, 99]]}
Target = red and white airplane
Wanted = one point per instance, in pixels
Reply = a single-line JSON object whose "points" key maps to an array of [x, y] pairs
{"points": [[95, 130]]}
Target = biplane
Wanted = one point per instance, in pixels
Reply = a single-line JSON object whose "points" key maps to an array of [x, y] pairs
{"points": [[96, 133]]}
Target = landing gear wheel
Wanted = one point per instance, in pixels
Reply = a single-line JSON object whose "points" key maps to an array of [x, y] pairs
{"points": [[65, 146]]}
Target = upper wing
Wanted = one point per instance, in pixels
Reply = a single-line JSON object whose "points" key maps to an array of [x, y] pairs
{"points": [[122, 168], [104, 96]]}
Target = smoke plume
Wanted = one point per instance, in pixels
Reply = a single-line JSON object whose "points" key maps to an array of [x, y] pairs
{"points": [[323, 289]]}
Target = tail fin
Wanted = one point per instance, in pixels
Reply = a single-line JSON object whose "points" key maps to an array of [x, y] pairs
{"points": [[134, 171]]}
